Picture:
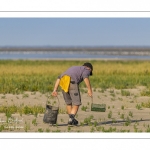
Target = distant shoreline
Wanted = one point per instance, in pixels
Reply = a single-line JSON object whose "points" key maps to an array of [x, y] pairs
{"points": [[139, 51]]}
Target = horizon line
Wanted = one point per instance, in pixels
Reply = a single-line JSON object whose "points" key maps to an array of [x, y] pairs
{"points": [[47, 46]]}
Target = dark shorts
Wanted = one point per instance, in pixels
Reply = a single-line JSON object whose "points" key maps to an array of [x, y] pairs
{"points": [[72, 97]]}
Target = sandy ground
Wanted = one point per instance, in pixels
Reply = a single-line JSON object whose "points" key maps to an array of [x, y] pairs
{"points": [[121, 115]]}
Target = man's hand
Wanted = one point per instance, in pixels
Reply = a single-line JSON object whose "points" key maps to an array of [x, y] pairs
{"points": [[54, 93], [87, 82], [90, 92]]}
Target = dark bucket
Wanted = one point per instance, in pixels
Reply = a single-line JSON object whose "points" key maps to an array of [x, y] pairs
{"points": [[51, 114]]}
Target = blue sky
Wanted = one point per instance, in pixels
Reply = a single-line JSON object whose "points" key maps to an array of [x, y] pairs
{"points": [[75, 32]]}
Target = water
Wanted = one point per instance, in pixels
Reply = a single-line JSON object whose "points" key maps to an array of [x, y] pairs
{"points": [[66, 55]]}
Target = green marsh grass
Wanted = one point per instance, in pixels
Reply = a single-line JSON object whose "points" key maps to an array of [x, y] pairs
{"points": [[39, 75], [12, 109]]}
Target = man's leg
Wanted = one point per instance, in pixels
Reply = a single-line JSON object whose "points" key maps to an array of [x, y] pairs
{"points": [[69, 107], [74, 109], [72, 113], [73, 101], [76, 102]]}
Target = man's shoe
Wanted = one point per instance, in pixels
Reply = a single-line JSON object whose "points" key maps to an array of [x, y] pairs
{"points": [[72, 121]]}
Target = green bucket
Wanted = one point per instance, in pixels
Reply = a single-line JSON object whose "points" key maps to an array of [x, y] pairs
{"points": [[98, 107]]}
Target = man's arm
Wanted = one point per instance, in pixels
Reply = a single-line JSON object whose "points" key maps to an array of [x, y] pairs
{"points": [[88, 85], [54, 93]]}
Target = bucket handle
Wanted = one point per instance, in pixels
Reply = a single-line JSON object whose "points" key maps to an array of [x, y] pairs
{"points": [[91, 99], [57, 100]]}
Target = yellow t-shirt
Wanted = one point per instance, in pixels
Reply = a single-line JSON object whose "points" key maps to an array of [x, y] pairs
{"points": [[64, 83]]}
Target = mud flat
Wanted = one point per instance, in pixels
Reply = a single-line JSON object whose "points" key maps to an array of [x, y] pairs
{"points": [[124, 113]]}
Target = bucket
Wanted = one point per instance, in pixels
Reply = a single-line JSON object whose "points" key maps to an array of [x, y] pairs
{"points": [[98, 107], [51, 113]]}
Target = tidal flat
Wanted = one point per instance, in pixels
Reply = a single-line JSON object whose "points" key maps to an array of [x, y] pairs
{"points": [[124, 86]]}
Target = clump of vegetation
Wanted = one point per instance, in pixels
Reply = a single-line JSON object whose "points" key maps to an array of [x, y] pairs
{"points": [[122, 107], [84, 108], [125, 93], [88, 120], [145, 92], [56, 130], [110, 129], [25, 95], [110, 114], [47, 130], [124, 130], [2, 128], [138, 106], [127, 122], [92, 129], [130, 114], [69, 129], [146, 105], [122, 116], [120, 99], [34, 122], [40, 130], [27, 126]]}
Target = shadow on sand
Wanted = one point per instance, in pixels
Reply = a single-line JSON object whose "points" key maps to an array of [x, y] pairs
{"points": [[121, 122], [114, 123]]}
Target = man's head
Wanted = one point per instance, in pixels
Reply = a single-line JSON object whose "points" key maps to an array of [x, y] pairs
{"points": [[89, 65]]}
